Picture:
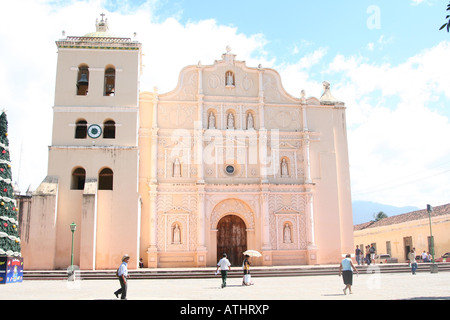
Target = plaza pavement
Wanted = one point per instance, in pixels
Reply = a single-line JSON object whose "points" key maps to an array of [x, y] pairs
{"points": [[376, 286]]}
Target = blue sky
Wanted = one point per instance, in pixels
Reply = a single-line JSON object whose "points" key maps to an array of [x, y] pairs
{"points": [[387, 60], [341, 26]]}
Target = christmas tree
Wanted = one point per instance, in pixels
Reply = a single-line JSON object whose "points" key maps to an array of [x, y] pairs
{"points": [[9, 224]]}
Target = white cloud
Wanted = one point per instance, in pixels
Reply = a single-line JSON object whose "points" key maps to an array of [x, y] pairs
{"points": [[28, 62], [395, 113], [395, 135]]}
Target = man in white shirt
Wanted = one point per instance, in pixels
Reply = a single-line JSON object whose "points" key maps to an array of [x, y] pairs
{"points": [[225, 266], [424, 256], [122, 273]]}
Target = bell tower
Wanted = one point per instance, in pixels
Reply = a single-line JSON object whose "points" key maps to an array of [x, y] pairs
{"points": [[93, 162]]}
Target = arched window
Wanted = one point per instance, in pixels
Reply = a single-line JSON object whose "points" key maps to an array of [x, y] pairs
{"points": [[110, 82], [78, 179], [81, 129], [109, 129], [83, 80], [105, 179]]}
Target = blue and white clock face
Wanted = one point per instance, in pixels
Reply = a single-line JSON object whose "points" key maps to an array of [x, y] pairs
{"points": [[94, 131]]}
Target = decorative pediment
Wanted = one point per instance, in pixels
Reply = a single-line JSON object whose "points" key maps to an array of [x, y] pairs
{"points": [[286, 210], [229, 78], [178, 210], [284, 145]]}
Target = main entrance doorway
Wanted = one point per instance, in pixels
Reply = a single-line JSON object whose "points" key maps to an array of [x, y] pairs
{"points": [[231, 239]]}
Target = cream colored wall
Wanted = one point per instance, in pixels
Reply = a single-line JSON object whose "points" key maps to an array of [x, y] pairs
{"points": [[108, 221], [178, 111], [126, 63], [64, 124], [330, 174], [419, 230], [117, 210], [112, 223]]}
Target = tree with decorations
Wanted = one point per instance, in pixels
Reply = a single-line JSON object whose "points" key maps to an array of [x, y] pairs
{"points": [[9, 224]]}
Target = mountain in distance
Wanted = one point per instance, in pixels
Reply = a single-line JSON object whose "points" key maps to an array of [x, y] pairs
{"points": [[364, 211]]}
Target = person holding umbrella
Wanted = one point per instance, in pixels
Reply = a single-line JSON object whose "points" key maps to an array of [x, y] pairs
{"points": [[246, 281]]}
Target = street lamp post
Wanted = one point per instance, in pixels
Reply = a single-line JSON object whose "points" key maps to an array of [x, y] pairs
{"points": [[73, 227], [434, 267]]}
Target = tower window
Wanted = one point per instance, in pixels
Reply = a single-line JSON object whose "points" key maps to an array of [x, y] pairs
{"points": [[110, 82], [78, 179], [81, 129], [105, 179], [109, 129], [83, 80]]}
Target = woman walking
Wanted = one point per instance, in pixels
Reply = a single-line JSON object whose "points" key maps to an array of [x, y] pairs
{"points": [[246, 281], [346, 269]]}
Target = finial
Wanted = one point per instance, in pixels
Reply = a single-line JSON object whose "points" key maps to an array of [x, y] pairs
{"points": [[102, 26], [327, 97]]}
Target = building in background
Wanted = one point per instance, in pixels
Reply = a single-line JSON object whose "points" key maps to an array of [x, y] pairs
{"points": [[397, 235], [227, 161]]}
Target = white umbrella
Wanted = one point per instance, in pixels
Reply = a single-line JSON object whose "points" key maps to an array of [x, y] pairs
{"points": [[252, 253]]}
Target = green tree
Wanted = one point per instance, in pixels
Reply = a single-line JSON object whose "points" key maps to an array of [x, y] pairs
{"points": [[380, 215], [447, 24], [9, 224]]}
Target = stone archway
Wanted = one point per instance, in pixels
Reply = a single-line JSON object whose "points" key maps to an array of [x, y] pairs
{"points": [[231, 239], [228, 215], [236, 207]]}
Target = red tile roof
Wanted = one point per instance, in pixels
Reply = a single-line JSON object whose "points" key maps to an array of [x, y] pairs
{"points": [[410, 216]]}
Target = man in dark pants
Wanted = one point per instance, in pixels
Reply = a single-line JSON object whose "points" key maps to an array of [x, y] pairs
{"points": [[122, 273], [224, 265]]}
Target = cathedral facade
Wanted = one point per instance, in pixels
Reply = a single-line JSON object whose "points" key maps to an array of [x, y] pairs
{"points": [[227, 161]]}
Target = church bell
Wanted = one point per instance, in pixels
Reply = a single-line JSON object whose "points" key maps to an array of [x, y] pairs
{"points": [[83, 81]]}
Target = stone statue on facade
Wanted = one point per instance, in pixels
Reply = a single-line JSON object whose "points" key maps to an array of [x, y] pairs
{"points": [[249, 121], [287, 234], [230, 80], [176, 168], [284, 168], [176, 235], [230, 122], [211, 121]]}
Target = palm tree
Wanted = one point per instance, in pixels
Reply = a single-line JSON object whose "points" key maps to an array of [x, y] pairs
{"points": [[447, 24]]}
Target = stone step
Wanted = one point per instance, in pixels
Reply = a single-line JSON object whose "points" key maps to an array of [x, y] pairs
{"points": [[204, 273]]}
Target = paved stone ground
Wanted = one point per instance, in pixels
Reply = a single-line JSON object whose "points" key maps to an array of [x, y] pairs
{"points": [[377, 286]]}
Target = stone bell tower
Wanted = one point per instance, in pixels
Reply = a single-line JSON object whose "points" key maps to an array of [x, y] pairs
{"points": [[93, 159]]}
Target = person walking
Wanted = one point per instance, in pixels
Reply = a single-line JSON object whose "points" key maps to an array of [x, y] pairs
{"points": [[346, 270], [372, 252], [122, 273], [225, 266], [368, 255], [246, 281], [358, 255], [412, 261]]}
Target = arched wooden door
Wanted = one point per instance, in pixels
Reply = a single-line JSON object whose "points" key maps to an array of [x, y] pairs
{"points": [[231, 239]]}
